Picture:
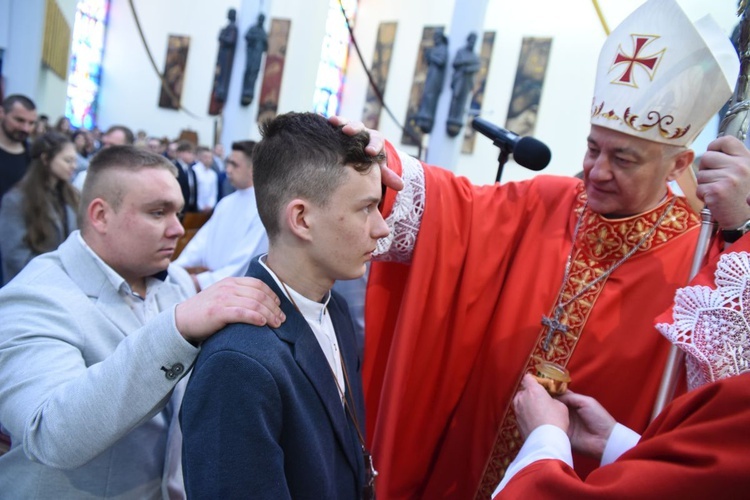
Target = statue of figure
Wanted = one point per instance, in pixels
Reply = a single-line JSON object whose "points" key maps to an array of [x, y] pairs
{"points": [[257, 44], [437, 58], [225, 59], [465, 66]]}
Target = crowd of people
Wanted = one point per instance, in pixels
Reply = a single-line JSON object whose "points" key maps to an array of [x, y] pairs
{"points": [[234, 370], [44, 169]]}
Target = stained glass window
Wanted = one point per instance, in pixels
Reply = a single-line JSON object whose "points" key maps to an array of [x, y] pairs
{"points": [[332, 70], [86, 62]]}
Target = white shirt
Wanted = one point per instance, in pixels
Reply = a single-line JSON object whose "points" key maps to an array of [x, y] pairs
{"points": [[227, 242], [80, 179], [208, 186], [145, 308], [316, 315]]}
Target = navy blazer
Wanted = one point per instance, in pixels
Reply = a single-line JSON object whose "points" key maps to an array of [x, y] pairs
{"points": [[188, 185], [262, 417]]}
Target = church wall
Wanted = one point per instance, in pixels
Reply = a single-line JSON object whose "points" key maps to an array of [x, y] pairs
{"points": [[52, 90], [303, 51], [130, 87], [21, 36], [4, 24], [563, 120], [412, 16]]}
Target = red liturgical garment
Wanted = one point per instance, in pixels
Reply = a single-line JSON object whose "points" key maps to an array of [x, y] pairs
{"points": [[695, 449], [449, 336]]}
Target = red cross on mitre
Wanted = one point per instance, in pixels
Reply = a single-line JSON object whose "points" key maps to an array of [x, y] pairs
{"points": [[648, 63]]}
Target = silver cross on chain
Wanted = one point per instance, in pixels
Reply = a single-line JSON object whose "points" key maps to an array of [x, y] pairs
{"points": [[553, 325]]}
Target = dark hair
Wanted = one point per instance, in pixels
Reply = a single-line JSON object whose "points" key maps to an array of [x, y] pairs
{"points": [[42, 190], [24, 101], [185, 146], [246, 147], [129, 137], [301, 155], [123, 158], [61, 123]]}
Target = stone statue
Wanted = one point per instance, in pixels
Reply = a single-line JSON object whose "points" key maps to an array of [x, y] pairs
{"points": [[465, 66], [225, 59], [437, 58], [257, 44]]}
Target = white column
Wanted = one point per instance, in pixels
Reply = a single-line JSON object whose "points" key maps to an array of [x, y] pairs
{"points": [[22, 60], [240, 121], [468, 16]]}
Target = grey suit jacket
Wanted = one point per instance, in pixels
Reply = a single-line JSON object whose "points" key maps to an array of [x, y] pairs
{"points": [[84, 388], [15, 252]]}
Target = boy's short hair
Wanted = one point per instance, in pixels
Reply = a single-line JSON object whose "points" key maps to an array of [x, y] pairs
{"points": [[301, 156]]}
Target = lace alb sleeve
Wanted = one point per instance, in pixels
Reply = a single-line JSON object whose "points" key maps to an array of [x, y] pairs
{"points": [[405, 218], [711, 325]]}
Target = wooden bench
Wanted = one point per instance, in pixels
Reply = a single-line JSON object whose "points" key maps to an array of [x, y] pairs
{"points": [[192, 221]]}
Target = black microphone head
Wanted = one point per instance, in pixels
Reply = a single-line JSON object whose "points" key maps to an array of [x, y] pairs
{"points": [[531, 153]]}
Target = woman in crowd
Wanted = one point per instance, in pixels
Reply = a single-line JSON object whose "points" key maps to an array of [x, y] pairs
{"points": [[40, 212], [63, 126]]}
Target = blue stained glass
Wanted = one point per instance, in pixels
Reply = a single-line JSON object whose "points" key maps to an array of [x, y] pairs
{"points": [[86, 62], [335, 53]]}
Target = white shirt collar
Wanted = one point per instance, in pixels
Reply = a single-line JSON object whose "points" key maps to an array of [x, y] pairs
{"points": [[117, 281], [310, 309]]}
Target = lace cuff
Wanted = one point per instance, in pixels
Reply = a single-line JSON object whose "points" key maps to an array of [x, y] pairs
{"points": [[405, 218], [711, 325]]}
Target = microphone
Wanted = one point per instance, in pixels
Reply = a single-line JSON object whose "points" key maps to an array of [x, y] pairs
{"points": [[527, 151]]}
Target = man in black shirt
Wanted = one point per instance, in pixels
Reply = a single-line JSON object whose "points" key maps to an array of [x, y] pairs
{"points": [[17, 117]]}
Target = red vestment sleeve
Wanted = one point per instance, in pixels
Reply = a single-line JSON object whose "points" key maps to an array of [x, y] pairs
{"points": [[462, 257], [696, 449]]}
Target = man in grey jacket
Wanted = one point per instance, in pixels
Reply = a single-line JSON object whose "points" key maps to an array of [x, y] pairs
{"points": [[96, 335]]}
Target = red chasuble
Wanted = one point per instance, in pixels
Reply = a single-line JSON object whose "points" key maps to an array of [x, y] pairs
{"points": [[449, 337], [696, 449]]}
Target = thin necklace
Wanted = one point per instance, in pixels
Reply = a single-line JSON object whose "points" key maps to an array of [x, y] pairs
{"points": [[554, 324], [368, 490]]}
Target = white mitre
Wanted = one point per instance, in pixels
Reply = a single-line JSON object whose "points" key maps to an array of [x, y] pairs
{"points": [[712, 325], [660, 77]]}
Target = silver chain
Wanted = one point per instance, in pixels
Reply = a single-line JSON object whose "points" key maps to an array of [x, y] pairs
{"points": [[554, 324], [616, 264]]}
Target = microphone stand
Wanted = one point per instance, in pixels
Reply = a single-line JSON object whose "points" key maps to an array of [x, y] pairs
{"points": [[502, 159]]}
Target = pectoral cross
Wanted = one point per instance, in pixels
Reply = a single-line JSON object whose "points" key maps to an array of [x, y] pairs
{"points": [[368, 492], [553, 325]]}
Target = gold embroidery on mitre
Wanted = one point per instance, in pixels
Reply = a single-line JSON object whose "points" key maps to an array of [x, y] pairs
{"points": [[600, 244], [649, 64], [654, 119]]}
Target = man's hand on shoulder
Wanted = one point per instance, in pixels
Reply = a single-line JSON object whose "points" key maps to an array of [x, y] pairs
{"points": [[376, 146], [231, 300]]}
